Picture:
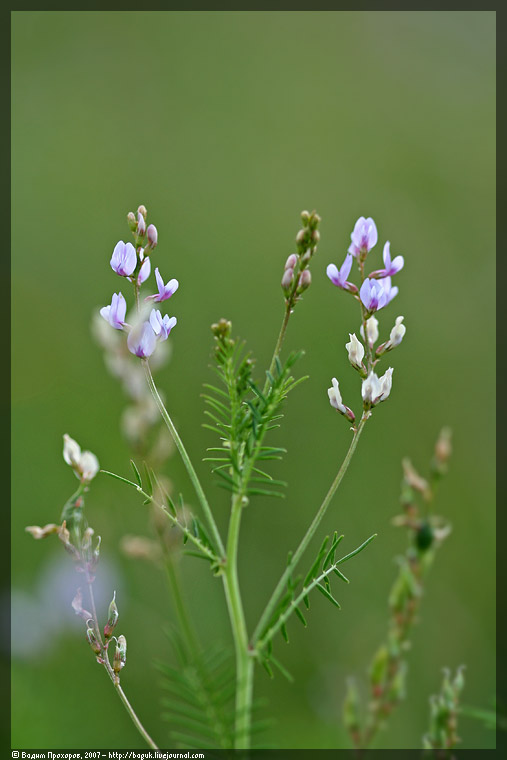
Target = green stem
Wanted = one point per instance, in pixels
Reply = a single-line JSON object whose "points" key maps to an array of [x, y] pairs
{"points": [[181, 610], [282, 583], [279, 342], [114, 679], [186, 459], [244, 660]]}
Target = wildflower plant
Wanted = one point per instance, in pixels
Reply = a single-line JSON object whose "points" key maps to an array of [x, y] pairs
{"points": [[242, 408]]}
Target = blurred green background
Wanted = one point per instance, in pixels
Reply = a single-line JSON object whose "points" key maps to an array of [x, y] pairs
{"points": [[226, 125]]}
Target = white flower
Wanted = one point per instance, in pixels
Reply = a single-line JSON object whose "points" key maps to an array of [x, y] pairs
{"points": [[397, 333], [335, 399], [71, 451], [371, 330], [356, 351], [84, 463], [386, 382], [370, 389], [376, 389]]}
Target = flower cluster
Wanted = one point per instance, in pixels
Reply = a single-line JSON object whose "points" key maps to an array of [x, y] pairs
{"points": [[133, 263], [296, 276], [374, 292]]}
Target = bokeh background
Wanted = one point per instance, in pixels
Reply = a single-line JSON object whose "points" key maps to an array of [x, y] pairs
{"points": [[226, 125]]}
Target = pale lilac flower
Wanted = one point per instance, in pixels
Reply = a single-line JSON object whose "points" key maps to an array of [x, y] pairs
{"points": [[164, 291], [115, 313], [145, 270], [291, 261], [124, 259], [339, 276], [390, 267], [356, 351], [371, 330], [364, 236], [162, 326], [373, 295], [335, 399], [142, 340], [389, 290], [152, 235]]}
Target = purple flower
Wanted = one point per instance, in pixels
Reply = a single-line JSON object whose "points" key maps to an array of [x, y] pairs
{"points": [[388, 289], [162, 326], [124, 259], [364, 236], [339, 276], [115, 313], [142, 340], [390, 267], [145, 270], [373, 295], [141, 225], [164, 291]]}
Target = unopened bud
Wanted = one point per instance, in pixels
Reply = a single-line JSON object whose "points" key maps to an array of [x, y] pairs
{"points": [[141, 225], [38, 532], [152, 235], [92, 640], [305, 217], [142, 210], [443, 447], [304, 282], [120, 654], [291, 261], [222, 328], [300, 236], [131, 219], [305, 258], [112, 619], [287, 280], [315, 236], [351, 708], [378, 668]]}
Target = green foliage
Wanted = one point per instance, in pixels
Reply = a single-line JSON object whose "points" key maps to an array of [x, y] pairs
{"points": [[318, 577], [444, 709], [241, 414]]}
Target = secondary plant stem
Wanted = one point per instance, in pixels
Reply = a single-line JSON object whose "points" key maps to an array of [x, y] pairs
{"points": [[282, 583], [186, 459], [114, 679]]}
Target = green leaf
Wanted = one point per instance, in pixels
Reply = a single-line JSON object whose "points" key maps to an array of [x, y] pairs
{"points": [[300, 615], [328, 595], [356, 551], [136, 473], [149, 487]]}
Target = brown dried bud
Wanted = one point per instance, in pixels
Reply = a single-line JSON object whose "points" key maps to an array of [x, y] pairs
{"points": [[44, 532], [112, 619], [92, 640]]}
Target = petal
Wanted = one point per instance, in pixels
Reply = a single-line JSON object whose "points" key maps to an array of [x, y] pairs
{"points": [[387, 255], [397, 264], [333, 274], [346, 267], [160, 281]]}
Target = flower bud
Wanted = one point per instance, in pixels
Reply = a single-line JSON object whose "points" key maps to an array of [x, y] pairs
{"points": [[305, 217], [397, 333], [300, 236], [304, 281], [38, 532], [287, 280], [351, 708], [131, 219], [112, 619], [141, 225], [335, 399], [152, 235], [120, 654], [443, 450], [378, 669], [142, 210], [92, 640], [315, 237], [291, 261]]}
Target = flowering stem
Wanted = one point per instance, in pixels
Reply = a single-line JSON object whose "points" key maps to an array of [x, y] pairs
{"points": [[282, 583], [115, 680], [186, 459], [244, 661], [279, 342]]}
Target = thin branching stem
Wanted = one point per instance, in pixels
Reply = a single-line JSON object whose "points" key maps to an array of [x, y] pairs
{"points": [[114, 679], [282, 583], [186, 459]]}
